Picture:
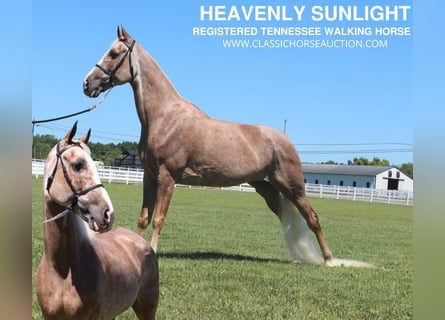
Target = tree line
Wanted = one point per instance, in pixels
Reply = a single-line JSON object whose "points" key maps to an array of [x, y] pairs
{"points": [[107, 153], [406, 168]]}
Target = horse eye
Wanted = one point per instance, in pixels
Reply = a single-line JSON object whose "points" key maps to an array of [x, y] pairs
{"points": [[77, 166], [113, 54]]}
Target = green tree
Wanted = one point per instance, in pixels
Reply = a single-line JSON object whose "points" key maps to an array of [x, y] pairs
{"points": [[42, 145], [379, 162], [330, 162], [106, 153], [376, 161], [359, 161]]}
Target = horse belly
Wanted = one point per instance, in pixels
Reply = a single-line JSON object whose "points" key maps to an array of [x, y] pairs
{"points": [[228, 162], [219, 177]]}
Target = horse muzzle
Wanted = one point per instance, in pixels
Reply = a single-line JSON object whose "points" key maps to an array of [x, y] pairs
{"points": [[93, 87], [98, 223], [91, 91]]}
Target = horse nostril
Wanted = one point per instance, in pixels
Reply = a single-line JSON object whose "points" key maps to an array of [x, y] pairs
{"points": [[85, 84], [108, 216]]}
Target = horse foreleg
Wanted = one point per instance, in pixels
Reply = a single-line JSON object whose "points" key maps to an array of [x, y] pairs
{"points": [[148, 203], [147, 299], [165, 189]]}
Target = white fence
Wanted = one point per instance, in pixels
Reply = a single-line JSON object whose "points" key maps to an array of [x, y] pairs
{"points": [[130, 175], [364, 194]]}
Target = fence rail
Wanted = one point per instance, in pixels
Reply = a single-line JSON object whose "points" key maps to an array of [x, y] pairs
{"points": [[131, 175]]}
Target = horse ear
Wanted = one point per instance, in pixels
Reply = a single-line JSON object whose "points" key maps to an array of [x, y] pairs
{"points": [[122, 34], [119, 32], [86, 137], [69, 136]]}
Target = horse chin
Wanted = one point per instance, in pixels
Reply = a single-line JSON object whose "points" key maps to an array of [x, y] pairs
{"points": [[92, 224], [103, 228], [98, 227], [95, 90], [94, 93]]}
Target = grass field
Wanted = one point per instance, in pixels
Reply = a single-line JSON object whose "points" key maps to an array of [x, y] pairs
{"points": [[222, 256]]}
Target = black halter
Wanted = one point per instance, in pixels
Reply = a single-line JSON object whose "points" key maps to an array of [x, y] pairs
{"points": [[76, 193], [120, 63]]}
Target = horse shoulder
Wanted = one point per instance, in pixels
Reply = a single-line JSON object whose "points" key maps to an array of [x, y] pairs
{"points": [[57, 296], [48, 287]]}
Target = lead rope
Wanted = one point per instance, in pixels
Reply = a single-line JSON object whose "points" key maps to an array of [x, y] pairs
{"points": [[76, 113], [59, 215]]}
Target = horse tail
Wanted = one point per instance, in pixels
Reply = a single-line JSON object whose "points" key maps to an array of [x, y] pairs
{"points": [[300, 242]]}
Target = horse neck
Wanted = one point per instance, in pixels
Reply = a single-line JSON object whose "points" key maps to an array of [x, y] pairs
{"points": [[153, 91], [64, 238]]}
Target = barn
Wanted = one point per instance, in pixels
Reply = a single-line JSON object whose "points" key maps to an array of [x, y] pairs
{"points": [[130, 159], [375, 177]]}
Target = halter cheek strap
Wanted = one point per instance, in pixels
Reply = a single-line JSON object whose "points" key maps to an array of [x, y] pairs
{"points": [[111, 74], [76, 193]]}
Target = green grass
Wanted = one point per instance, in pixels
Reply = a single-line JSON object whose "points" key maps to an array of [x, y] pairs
{"points": [[222, 256]]}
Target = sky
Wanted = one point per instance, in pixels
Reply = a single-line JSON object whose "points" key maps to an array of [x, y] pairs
{"points": [[333, 103]]}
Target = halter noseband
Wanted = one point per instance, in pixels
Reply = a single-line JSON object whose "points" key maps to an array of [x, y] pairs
{"points": [[120, 63], [76, 193]]}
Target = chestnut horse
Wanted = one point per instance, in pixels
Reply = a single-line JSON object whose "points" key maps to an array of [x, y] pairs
{"points": [[87, 271], [181, 144]]}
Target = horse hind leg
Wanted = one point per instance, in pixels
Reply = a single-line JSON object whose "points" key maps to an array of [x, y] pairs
{"points": [[270, 195], [290, 199], [301, 245], [295, 231], [313, 223], [311, 217]]}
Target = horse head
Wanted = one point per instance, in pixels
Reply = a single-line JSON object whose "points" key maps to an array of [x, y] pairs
{"points": [[111, 70], [72, 181]]}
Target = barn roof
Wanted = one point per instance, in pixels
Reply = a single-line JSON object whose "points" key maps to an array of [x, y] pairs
{"points": [[344, 169]]}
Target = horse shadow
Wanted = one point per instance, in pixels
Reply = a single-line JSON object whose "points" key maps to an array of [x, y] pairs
{"points": [[213, 255]]}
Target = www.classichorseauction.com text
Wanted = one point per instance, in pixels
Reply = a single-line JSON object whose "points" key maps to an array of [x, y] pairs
{"points": [[300, 23]]}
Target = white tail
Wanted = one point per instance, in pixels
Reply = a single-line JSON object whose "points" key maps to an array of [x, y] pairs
{"points": [[301, 244], [296, 234]]}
